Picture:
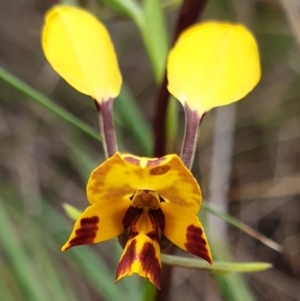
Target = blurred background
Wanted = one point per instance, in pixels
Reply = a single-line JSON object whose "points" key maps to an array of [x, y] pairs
{"points": [[248, 161]]}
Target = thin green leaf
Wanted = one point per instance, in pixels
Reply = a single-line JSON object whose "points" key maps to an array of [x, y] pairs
{"points": [[233, 285], [72, 212], [132, 118], [172, 125], [51, 277], [150, 291], [218, 266], [243, 227], [25, 273], [171, 4], [155, 37], [128, 8], [94, 270], [47, 103], [126, 108], [8, 290]]}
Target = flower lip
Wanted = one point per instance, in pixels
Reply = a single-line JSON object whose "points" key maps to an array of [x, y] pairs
{"points": [[141, 255]]}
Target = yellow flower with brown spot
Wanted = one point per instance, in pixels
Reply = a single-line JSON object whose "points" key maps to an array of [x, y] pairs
{"points": [[145, 198]]}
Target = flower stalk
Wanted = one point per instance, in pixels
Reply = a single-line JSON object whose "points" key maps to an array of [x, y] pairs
{"points": [[189, 145], [188, 15], [107, 129]]}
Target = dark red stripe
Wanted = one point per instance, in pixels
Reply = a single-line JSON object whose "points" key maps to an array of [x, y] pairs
{"points": [[150, 263], [127, 259], [196, 244]]}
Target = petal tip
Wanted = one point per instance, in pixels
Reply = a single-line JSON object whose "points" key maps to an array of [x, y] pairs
{"points": [[197, 243], [65, 247]]}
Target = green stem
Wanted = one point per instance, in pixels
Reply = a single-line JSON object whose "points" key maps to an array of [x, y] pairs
{"points": [[217, 267]]}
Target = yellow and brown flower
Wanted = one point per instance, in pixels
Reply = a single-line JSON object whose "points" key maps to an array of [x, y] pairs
{"points": [[145, 198], [212, 64]]}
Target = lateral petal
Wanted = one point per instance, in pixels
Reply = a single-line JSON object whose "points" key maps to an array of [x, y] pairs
{"points": [[141, 255], [213, 64], [184, 229], [99, 222], [79, 49]]}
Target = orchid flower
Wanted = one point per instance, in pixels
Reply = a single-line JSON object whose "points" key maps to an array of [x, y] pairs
{"points": [[212, 64], [146, 198]]}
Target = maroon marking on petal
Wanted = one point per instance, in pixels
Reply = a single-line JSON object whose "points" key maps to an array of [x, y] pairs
{"points": [[154, 234], [89, 221], [127, 259], [131, 215], [84, 231], [132, 160], [87, 233], [82, 240], [159, 170], [196, 244], [155, 162], [150, 263], [158, 217]]}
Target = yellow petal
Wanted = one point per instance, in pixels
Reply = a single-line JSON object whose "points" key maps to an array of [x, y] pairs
{"points": [[80, 50], [213, 64], [123, 174], [184, 229], [99, 222], [141, 255]]}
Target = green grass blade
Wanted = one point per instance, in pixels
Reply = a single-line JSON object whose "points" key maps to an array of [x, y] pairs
{"points": [[93, 268], [72, 212], [97, 275], [59, 288], [125, 107], [132, 118], [155, 37], [6, 291], [25, 273], [47, 103], [149, 291], [243, 227], [218, 266], [128, 8], [172, 125], [233, 285]]}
